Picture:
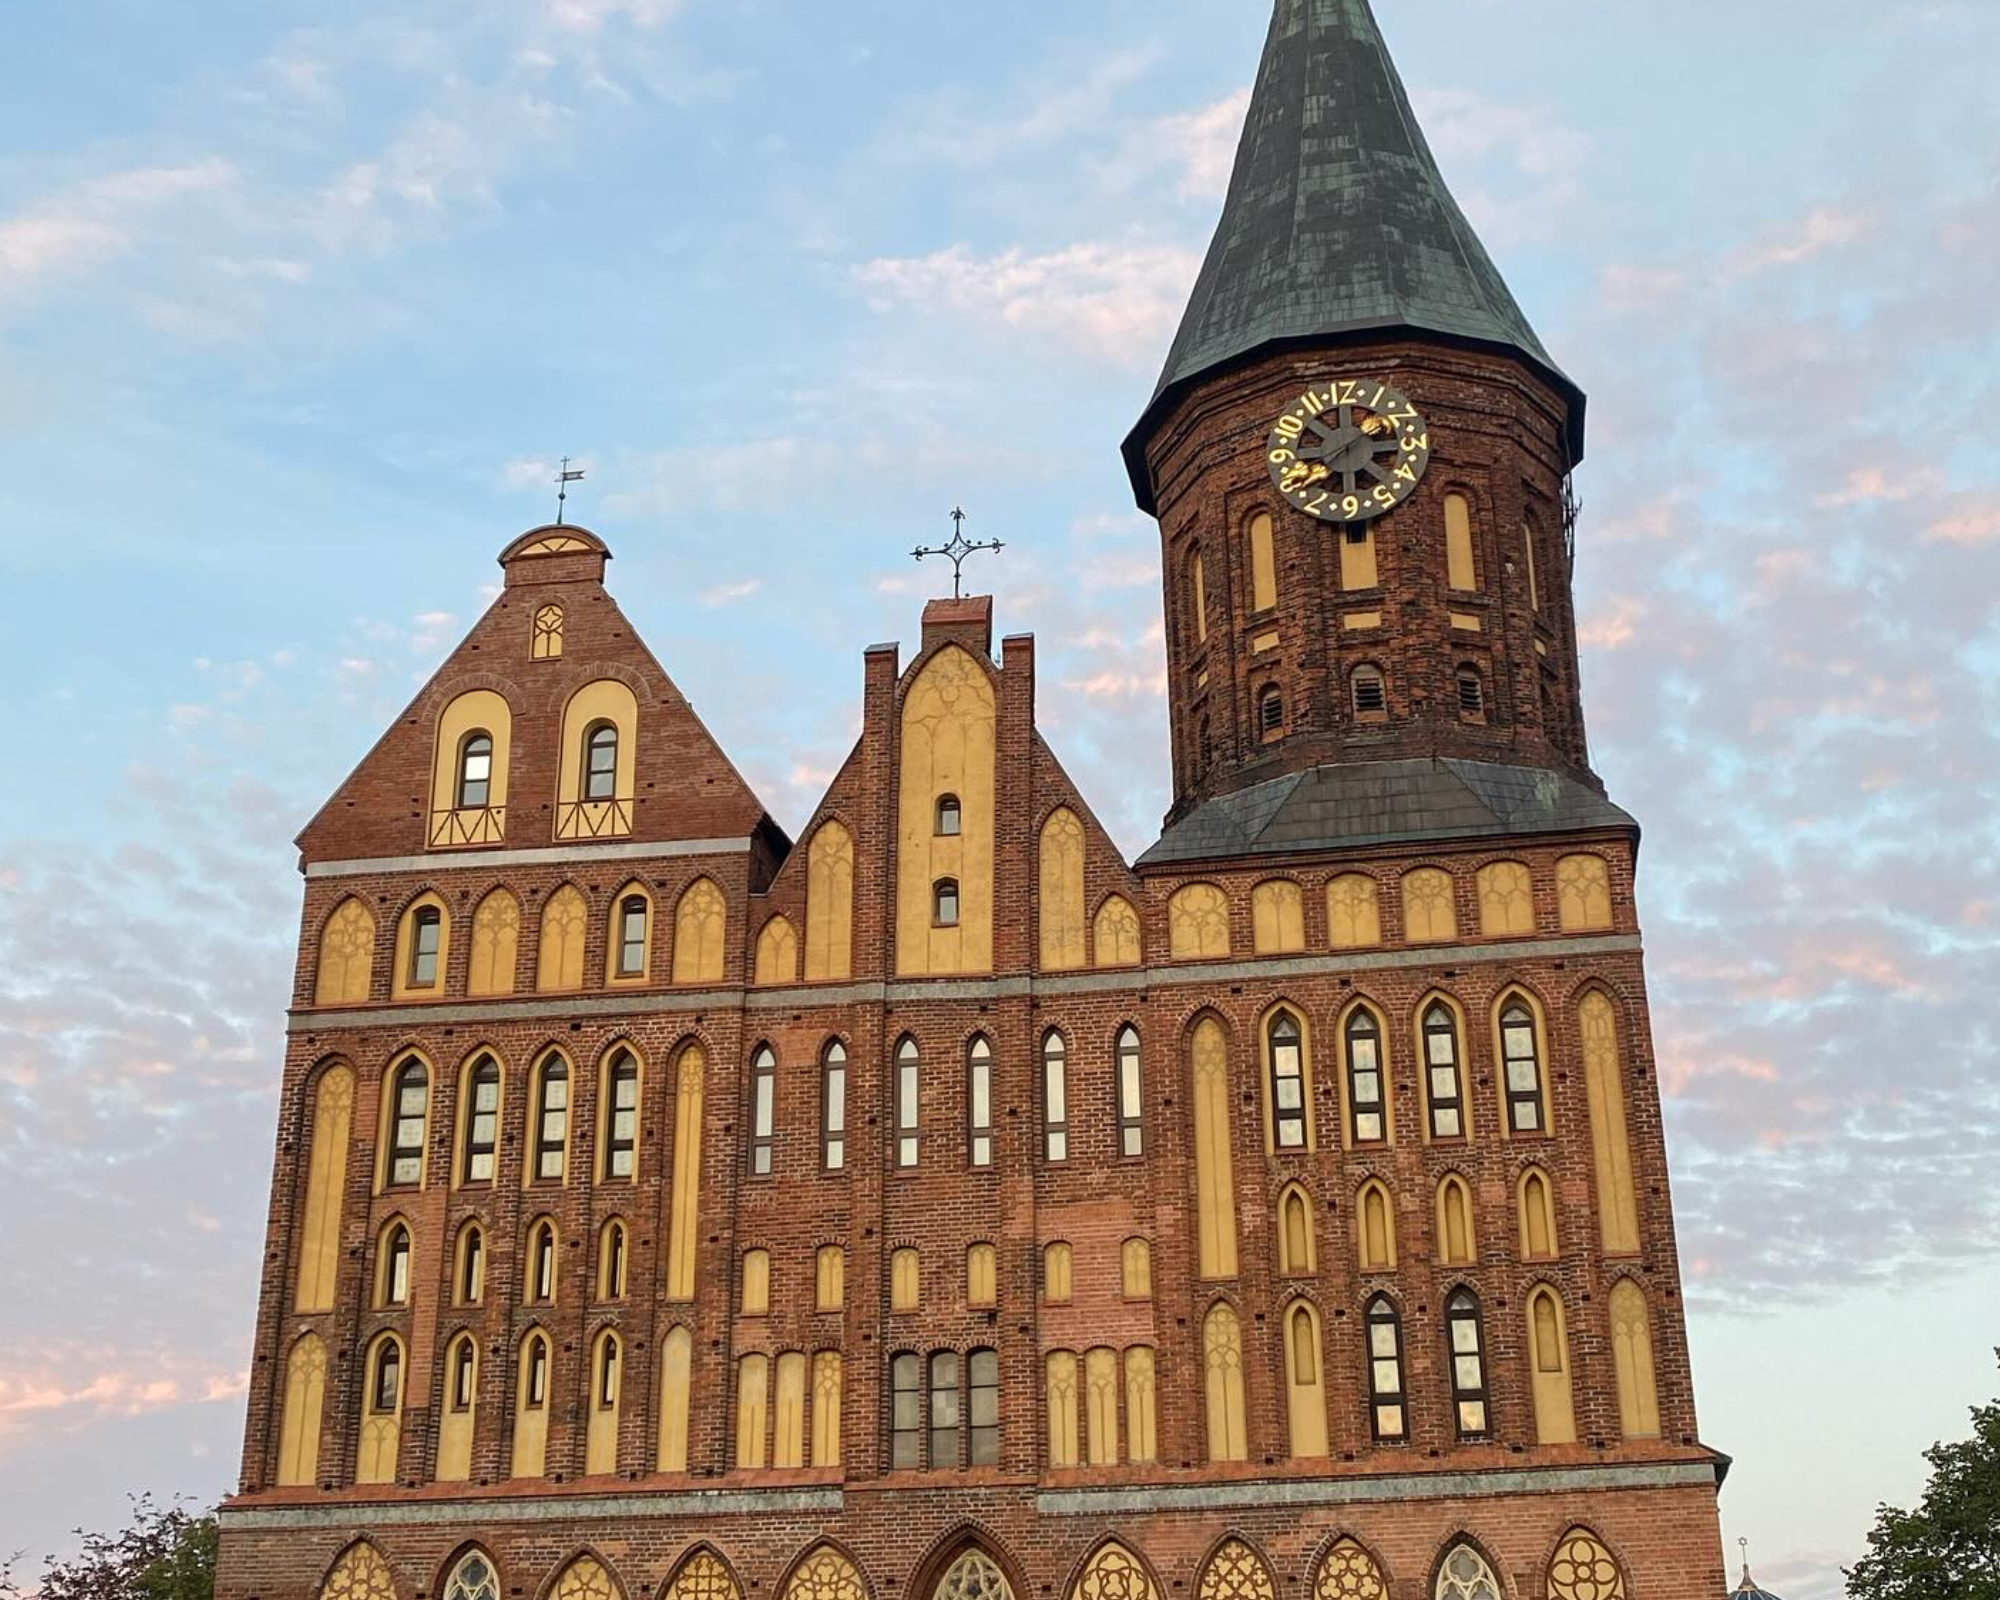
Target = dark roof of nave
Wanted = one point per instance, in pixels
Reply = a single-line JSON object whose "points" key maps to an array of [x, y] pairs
{"points": [[1338, 223], [1384, 802]]}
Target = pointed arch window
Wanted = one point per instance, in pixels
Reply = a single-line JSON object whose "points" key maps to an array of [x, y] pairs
{"points": [[1055, 1097], [621, 1122], [909, 1083], [906, 1412], [1367, 1100], [833, 1106], [393, 1281], [385, 1386], [1445, 1079], [1131, 1095], [600, 762], [1521, 1055], [541, 1284], [464, 1373], [482, 1121], [411, 1103], [1466, 1576], [763, 1110], [1389, 1409], [535, 1374], [470, 1279], [552, 1121], [475, 771], [426, 940], [473, 1579], [1465, 1332], [612, 1255], [634, 920], [979, 1102], [1288, 1082]]}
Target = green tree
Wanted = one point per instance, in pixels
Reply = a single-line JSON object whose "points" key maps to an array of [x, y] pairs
{"points": [[1949, 1547], [163, 1553]]}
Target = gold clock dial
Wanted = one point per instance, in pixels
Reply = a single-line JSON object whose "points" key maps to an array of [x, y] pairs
{"points": [[1349, 451]]}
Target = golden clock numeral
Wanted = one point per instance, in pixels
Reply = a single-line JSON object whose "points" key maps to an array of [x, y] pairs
{"points": [[1311, 404], [1291, 427]]}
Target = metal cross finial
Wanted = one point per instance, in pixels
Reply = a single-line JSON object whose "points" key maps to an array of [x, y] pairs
{"points": [[564, 479], [957, 551], [1744, 1546]]}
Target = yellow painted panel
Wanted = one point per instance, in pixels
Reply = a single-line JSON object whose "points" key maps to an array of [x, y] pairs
{"points": [[478, 711], [1199, 584], [830, 1276], [1378, 1229], [496, 946], [788, 1432], [1455, 1243], [1222, 1362], [1264, 643], [584, 1579], [1538, 1218], [905, 1281], [1354, 912], [981, 1276], [753, 1383], [1610, 1134], [1534, 574], [1136, 1269], [1263, 564], [304, 1414], [684, 1228], [1142, 1427], [1361, 621], [1305, 1383], [600, 1452], [1215, 1179], [1116, 934], [756, 1292], [1429, 914], [1058, 1274], [1583, 886], [1632, 1350], [1064, 1443], [1460, 571], [576, 816], [547, 640], [1198, 923], [1278, 912], [1062, 909], [830, 905], [456, 1427], [676, 1379], [1466, 622], [1100, 1386], [949, 733], [1548, 1345], [701, 926], [1506, 899], [1298, 1250], [1357, 562], [565, 926], [777, 954], [826, 1409], [326, 1182], [381, 1432], [346, 956]]}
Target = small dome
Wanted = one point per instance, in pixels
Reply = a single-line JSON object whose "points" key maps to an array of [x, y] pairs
{"points": [[1749, 1588]]}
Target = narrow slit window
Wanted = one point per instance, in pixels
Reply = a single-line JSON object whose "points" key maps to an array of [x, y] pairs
{"points": [[611, 1285], [909, 1071], [600, 762], [412, 1115], [542, 1263], [1288, 1083], [475, 772], [632, 921], [396, 1267], [1522, 1058], [950, 817], [1367, 1106], [552, 1122], [482, 1122], [763, 1110], [833, 1107], [1447, 1085], [945, 902], [464, 1375], [1390, 1414], [607, 1374], [472, 1267], [1055, 1098], [536, 1382], [387, 1390], [621, 1144], [906, 1412], [426, 940], [1468, 1364], [1131, 1096], [1471, 695], [979, 1102], [944, 1409], [983, 1410]]}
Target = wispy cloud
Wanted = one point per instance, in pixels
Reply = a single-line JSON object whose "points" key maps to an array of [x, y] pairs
{"points": [[70, 233]]}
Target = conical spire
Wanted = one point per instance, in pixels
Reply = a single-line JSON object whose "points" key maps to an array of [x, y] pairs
{"points": [[1338, 223]]}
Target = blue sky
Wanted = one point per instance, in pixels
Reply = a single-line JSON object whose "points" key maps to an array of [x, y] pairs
{"points": [[300, 302]]}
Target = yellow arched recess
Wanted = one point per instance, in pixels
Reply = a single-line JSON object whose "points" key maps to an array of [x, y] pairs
{"points": [[949, 732], [459, 1411], [1584, 1570], [1298, 1250], [1429, 916], [360, 1574], [788, 1412], [381, 1426], [1610, 1136], [826, 1574], [1506, 899], [830, 905], [1214, 1162], [1222, 1362], [1376, 1215], [534, 1392], [1457, 1245], [1198, 923], [827, 1380], [1263, 564], [777, 954], [684, 1228], [1632, 1350], [565, 927], [982, 1276], [1350, 1573], [1548, 1353], [1305, 1382], [326, 1182], [496, 946], [703, 1577], [701, 926], [453, 826], [578, 816], [1235, 1571], [1062, 892], [586, 1579], [1142, 1426], [1538, 1217], [304, 1414], [1278, 914], [346, 956], [607, 1383], [1100, 1407], [1460, 571], [1135, 1269], [1583, 888], [906, 1280], [1062, 1379], [1353, 912], [676, 1383], [1114, 1573], [1115, 937], [829, 1278]]}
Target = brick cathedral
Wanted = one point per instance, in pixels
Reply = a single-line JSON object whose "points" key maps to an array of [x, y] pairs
{"points": [[942, 1207]]}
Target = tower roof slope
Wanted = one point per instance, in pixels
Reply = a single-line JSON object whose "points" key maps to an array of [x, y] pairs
{"points": [[1337, 223]]}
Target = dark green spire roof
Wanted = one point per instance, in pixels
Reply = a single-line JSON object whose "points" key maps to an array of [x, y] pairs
{"points": [[1338, 223]]}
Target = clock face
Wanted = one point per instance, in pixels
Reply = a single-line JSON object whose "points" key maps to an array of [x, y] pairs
{"points": [[1349, 451]]}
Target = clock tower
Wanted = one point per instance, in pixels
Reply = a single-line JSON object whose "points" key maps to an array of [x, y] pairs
{"points": [[1359, 455]]}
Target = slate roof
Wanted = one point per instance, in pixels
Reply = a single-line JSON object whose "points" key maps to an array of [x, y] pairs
{"points": [[1338, 223], [1384, 802]]}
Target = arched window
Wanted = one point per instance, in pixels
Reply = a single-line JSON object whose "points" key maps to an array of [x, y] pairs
{"points": [[950, 817], [906, 1412], [1055, 1098], [833, 1106], [1263, 563], [548, 640], [909, 1088], [541, 1284], [1131, 1095], [1222, 1358], [944, 1409], [1058, 1278], [1466, 1335], [1135, 1262], [763, 1110], [1370, 694], [1444, 1081], [982, 1272], [552, 1121], [482, 1121], [1466, 1576], [1389, 1412], [1471, 695], [1367, 1096], [611, 1259], [475, 771], [1271, 712], [469, 1280], [754, 1293], [385, 1382], [426, 940], [979, 1102], [410, 1107], [621, 1118], [634, 921], [829, 1278], [600, 762], [463, 1367], [1521, 1055], [1288, 1082], [906, 1280], [473, 1578], [1584, 1570], [944, 903], [392, 1282], [1298, 1255]]}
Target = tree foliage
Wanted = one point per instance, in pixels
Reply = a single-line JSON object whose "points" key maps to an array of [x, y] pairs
{"points": [[1949, 1547], [163, 1553]]}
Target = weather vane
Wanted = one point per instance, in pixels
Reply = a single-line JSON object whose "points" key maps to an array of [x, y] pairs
{"points": [[956, 552], [564, 479]]}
